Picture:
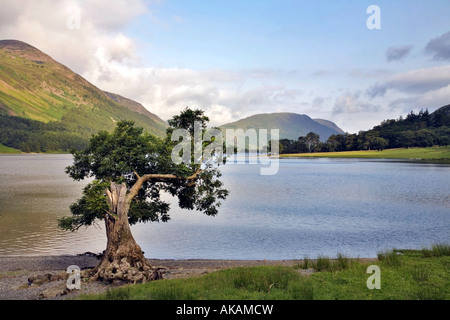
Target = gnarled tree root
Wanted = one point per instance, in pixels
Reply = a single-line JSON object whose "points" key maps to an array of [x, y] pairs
{"points": [[122, 270]]}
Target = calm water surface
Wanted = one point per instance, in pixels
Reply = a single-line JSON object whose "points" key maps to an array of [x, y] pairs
{"points": [[310, 207]]}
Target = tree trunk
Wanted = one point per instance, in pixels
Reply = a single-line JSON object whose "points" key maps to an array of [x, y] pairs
{"points": [[123, 258]]}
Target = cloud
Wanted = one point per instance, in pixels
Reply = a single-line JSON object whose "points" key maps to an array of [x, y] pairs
{"points": [[318, 102], [322, 73], [350, 102], [431, 100], [97, 35], [439, 47], [224, 95], [397, 53], [114, 15], [416, 81]]}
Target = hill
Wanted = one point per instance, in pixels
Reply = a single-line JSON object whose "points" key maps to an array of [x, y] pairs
{"points": [[330, 124], [291, 125], [422, 129], [136, 107], [44, 105]]}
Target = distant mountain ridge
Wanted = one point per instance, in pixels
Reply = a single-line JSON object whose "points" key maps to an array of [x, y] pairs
{"points": [[290, 125], [330, 124], [133, 106], [35, 86]]}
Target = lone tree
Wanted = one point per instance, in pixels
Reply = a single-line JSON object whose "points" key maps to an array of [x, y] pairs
{"points": [[130, 169]]}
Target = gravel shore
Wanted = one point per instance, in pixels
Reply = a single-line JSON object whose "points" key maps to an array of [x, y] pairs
{"points": [[16, 272]]}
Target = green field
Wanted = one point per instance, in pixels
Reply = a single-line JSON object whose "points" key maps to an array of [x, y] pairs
{"points": [[403, 275], [431, 153], [7, 150]]}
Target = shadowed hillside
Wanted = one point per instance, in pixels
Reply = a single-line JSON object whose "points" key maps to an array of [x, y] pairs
{"points": [[57, 103]]}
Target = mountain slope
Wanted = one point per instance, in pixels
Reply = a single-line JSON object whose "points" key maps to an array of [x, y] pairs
{"points": [[291, 125], [330, 124], [133, 106], [138, 108], [36, 87]]}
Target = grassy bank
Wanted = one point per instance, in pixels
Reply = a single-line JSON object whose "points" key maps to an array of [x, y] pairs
{"points": [[7, 150], [431, 153], [404, 275]]}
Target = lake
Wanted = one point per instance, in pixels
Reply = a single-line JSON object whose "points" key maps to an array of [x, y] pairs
{"points": [[310, 207]]}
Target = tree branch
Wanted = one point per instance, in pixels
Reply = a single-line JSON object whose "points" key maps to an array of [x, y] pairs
{"points": [[135, 189]]}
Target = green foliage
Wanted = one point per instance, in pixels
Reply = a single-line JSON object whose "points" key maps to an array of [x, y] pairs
{"points": [[390, 258], [416, 130], [421, 273], [262, 279], [129, 152], [34, 136], [324, 263], [437, 250], [90, 207]]}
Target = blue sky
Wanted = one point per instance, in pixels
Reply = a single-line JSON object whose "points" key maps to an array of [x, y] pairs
{"points": [[237, 58], [284, 34]]}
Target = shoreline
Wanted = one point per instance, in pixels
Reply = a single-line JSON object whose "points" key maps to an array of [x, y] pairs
{"points": [[434, 153], [15, 272]]}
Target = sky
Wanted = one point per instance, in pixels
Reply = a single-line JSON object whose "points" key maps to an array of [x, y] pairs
{"points": [[329, 59]]}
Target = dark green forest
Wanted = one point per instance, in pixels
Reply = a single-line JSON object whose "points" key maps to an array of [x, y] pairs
{"points": [[34, 136], [422, 129], [73, 131]]}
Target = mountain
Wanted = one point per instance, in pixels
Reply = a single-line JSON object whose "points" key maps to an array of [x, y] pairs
{"points": [[330, 124], [442, 114], [40, 95], [291, 125], [136, 107]]}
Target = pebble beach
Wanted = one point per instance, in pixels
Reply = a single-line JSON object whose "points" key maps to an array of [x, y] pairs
{"points": [[21, 277]]}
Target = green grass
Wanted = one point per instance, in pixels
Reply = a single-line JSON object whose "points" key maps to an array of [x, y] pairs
{"points": [[7, 150], [431, 153], [404, 274]]}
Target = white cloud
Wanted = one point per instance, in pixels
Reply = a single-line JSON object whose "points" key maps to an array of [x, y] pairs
{"points": [[224, 95], [351, 102], [414, 81], [44, 24], [112, 15], [431, 100]]}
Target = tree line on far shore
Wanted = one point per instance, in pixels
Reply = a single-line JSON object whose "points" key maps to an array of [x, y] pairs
{"points": [[420, 129], [29, 135]]}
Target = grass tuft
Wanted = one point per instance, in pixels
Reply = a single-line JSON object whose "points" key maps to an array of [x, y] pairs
{"points": [[390, 258], [437, 250]]}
